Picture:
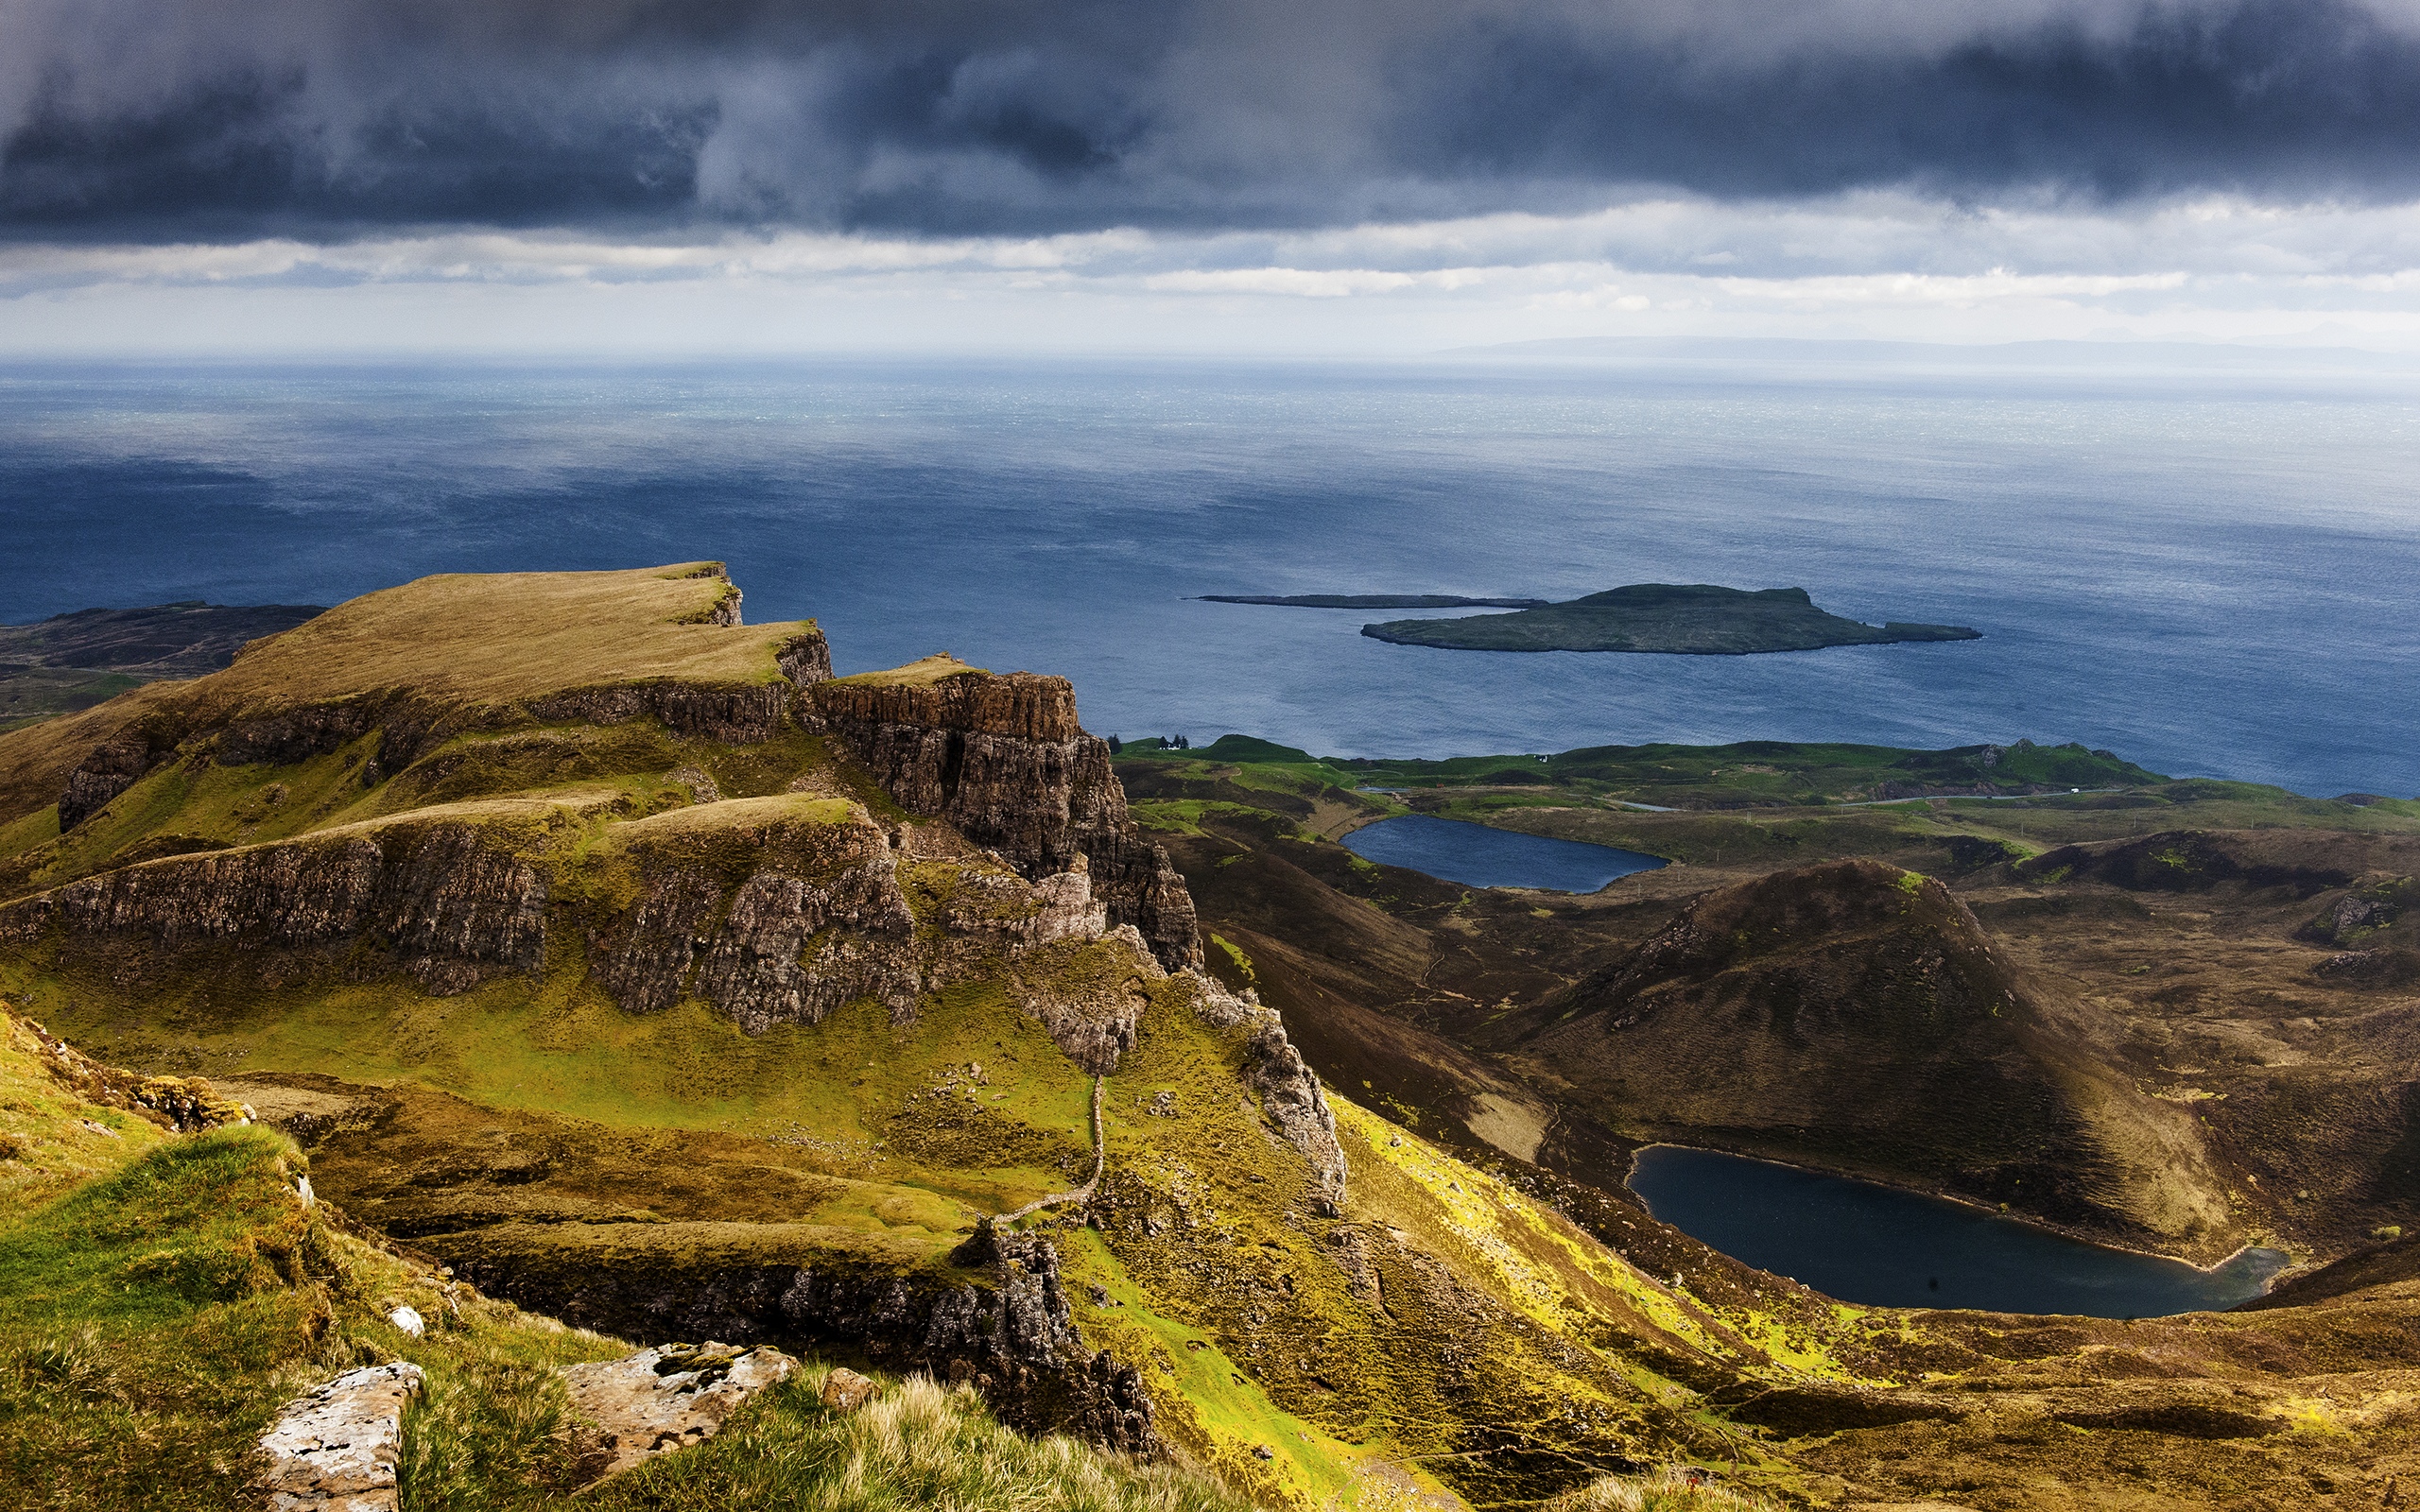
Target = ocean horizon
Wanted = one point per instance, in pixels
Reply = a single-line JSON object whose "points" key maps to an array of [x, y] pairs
{"points": [[2208, 573]]}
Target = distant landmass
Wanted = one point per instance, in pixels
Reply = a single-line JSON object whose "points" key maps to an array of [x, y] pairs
{"points": [[1697, 619], [1374, 601], [71, 661]]}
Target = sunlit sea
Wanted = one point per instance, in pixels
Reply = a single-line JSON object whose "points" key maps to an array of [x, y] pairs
{"points": [[2209, 575]]}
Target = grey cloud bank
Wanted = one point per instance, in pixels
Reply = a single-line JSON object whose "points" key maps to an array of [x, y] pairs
{"points": [[140, 121]]}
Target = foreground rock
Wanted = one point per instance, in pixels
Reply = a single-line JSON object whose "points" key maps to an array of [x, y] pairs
{"points": [[664, 1398], [334, 1450], [845, 1390]]}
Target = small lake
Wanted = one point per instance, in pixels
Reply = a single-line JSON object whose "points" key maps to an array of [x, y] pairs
{"points": [[1483, 856], [1878, 1246]]}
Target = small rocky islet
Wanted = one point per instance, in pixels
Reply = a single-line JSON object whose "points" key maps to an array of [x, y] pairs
{"points": [[1673, 619]]}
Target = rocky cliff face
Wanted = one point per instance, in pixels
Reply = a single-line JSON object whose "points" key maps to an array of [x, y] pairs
{"points": [[1291, 1102], [816, 919], [442, 904], [1004, 761]]}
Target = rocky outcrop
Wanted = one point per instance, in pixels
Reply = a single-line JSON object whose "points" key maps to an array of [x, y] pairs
{"points": [[845, 1390], [335, 1448], [1094, 1016], [1007, 1330], [1291, 1102], [820, 920], [1018, 1344], [115, 766], [445, 906], [806, 659], [187, 1105], [1142, 889], [1068, 909], [631, 1410], [793, 949], [1004, 761]]}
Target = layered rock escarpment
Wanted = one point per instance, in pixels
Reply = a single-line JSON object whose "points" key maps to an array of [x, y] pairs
{"points": [[603, 849], [1003, 759], [771, 910], [438, 899], [775, 914]]}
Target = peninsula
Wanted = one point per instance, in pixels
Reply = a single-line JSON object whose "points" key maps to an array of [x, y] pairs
{"points": [[1698, 619]]}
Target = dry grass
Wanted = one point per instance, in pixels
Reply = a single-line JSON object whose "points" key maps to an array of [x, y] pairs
{"points": [[1668, 1490], [922, 673], [738, 814], [920, 1446], [490, 637], [465, 637]]}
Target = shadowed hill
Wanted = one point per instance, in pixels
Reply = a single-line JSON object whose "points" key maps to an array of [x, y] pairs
{"points": [[1856, 1015]]}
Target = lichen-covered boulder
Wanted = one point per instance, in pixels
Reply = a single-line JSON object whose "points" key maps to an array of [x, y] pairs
{"points": [[664, 1398], [334, 1449]]}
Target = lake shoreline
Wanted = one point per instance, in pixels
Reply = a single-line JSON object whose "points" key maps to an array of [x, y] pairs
{"points": [[2293, 1266], [1467, 853]]}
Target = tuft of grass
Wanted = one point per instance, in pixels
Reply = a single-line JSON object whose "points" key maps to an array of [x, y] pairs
{"points": [[492, 1431], [922, 1446], [1667, 1490]]}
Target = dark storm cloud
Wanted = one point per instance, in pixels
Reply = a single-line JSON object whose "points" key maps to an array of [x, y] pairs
{"points": [[148, 120]]}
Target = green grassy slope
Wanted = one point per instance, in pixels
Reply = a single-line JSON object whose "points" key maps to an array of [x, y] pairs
{"points": [[153, 1320]]}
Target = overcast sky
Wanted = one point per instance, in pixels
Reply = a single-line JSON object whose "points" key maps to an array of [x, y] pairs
{"points": [[1310, 175]]}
